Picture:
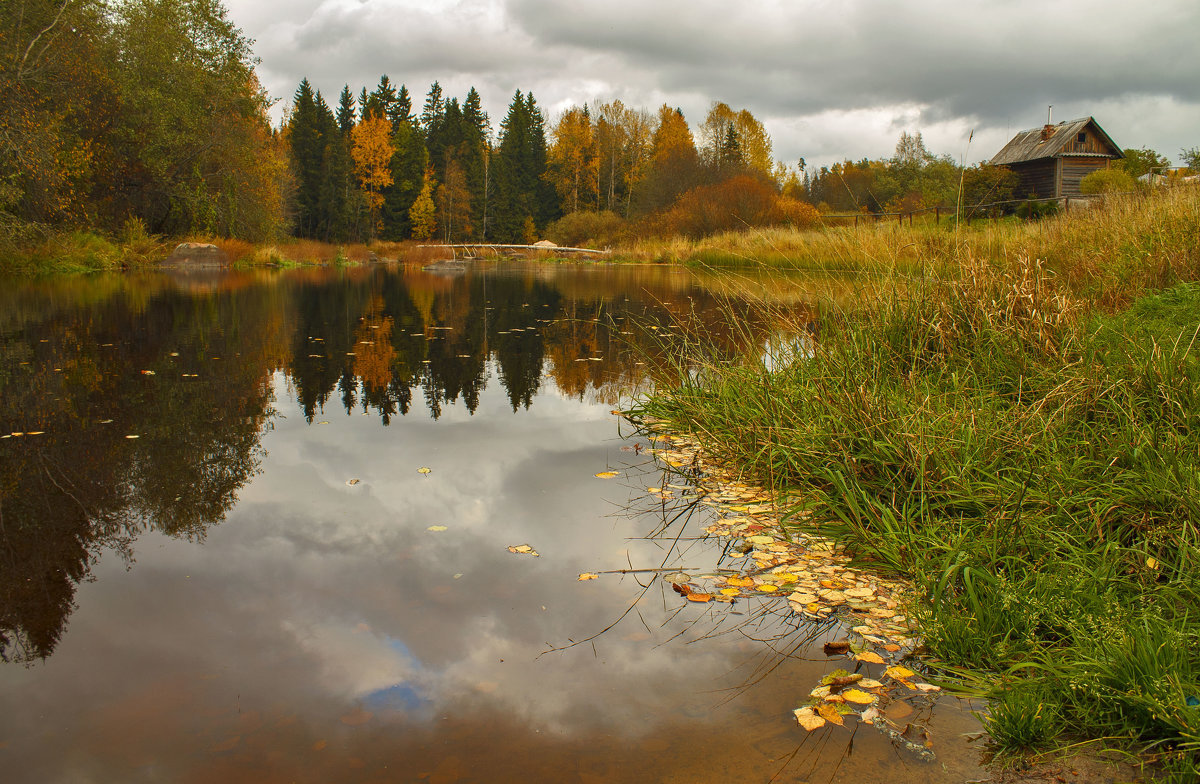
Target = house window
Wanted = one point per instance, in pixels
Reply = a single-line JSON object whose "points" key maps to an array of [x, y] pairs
{"points": [[1081, 138]]}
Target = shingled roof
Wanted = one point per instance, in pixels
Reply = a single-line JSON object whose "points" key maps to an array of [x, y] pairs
{"points": [[1030, 146]]}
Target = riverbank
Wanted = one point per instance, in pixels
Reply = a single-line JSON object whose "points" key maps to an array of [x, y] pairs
{"points": [[1017, 433]]}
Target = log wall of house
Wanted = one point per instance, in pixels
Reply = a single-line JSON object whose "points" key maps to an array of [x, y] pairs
{"points": [[1037, 178], [1075, 169]]}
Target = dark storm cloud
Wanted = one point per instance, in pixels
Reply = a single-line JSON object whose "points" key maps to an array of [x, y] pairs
{"points": [[855, 71]]}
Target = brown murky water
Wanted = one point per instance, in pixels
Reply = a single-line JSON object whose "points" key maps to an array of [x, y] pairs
{"points": [[219, 560]]}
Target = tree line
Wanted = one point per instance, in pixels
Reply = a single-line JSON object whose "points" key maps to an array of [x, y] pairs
{"points": [[147, 116]]}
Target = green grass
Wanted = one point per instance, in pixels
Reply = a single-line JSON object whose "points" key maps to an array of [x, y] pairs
{"points": [[1021, 439]]}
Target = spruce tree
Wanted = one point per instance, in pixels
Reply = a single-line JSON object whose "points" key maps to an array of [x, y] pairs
{"points": [[345, 112]]}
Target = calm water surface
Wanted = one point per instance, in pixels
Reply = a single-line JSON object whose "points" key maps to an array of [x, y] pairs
{"points": [[217, 562]]}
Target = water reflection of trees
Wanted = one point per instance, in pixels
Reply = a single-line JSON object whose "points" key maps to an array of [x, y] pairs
{"points": [[380, 338], [77, 382], [188, 369]]}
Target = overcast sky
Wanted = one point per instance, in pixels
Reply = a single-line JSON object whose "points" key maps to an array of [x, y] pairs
{"points": [[829, 79]]}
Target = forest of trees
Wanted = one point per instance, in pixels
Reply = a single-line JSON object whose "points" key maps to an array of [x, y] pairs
{"points": [[144, 110], [146, 115]]}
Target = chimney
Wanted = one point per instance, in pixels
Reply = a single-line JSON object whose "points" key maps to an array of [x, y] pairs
{"points": [[1047, 132]]}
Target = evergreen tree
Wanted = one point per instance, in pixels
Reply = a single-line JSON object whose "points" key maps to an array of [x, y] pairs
{"points": [[345, 112], [522, 194], [403, 111], [431, 112], [307, 150], [383, 99], [474, 159]]}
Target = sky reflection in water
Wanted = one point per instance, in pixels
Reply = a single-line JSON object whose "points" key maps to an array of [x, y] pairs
{"points": [[212, 601]]}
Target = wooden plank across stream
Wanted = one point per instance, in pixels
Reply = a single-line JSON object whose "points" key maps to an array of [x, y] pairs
{"points": [[500, 247]]}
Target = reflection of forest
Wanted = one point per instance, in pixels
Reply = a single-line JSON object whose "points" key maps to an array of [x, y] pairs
{"points": [[77, 380], [186, 366], [381, 337]]}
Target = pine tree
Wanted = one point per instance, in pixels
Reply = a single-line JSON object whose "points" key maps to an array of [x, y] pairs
{"points": [[345, 112], [307, 151], [431, 112]]}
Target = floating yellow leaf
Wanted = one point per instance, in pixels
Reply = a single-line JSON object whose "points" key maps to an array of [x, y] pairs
{"points": [[760, 539], [768, 588], [859, 697], [352, 482], [588, 576], [898, 672], [19, 434], [699, 597], [436, 528], [522, 549], [423, 470], [743, 582], [870, 683], [870, 657], [808, 719], [730, 591], [1152, 563], [830, 714], [607, 474]]}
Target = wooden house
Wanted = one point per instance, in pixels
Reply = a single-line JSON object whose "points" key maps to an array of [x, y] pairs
{"points": [[1051, 160]]}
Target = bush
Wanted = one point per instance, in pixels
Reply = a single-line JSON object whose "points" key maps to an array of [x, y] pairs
{"points": [[587, 229], [737, 203], [1107, 181]]}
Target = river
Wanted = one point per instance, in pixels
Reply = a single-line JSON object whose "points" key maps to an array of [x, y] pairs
{"points": [[256, 527]]}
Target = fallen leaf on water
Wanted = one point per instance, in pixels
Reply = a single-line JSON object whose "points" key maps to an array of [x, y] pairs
{"points": [[436, 528], [857, 696], [869, 715], [760, 539], [588, 576], [846, 680], [898, 672], [699, 597], [325, 422], [808, 719], [679, 578], [147, 372], [927, 687], [730, 591], [830, 714], [352, 482], [131, 436], [870, 657], [870, 683], [768, 588], [836, 648], [423, 470], [607, 474], [522, 549], [743, 582]]}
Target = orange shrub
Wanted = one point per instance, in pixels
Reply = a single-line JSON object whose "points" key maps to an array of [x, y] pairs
{"points": [[737, 203]]}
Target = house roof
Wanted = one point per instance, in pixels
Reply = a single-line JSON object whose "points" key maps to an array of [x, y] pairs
{"points": [[1030, 146]]}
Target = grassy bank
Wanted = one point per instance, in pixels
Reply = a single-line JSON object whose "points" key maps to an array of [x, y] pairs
{"points": [[1097, 248], [1017, 432]]}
